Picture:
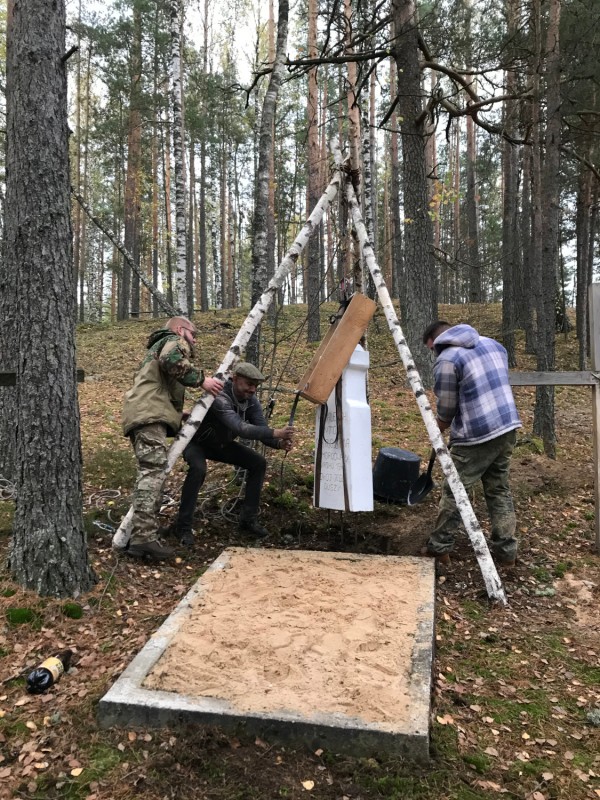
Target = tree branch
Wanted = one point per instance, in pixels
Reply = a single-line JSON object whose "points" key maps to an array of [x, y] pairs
{"points": [[160, 299]]}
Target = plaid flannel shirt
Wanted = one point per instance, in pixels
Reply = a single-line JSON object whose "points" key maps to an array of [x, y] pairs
{"points": [[472, 386]]}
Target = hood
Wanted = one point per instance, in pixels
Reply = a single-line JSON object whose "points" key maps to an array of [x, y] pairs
{"points": [[457, 336], [157, 336]]}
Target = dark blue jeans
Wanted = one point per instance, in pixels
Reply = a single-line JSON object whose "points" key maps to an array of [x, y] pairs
{"points": [[233, 453]]}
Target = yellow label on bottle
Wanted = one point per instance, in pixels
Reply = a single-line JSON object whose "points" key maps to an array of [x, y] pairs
{"points": [[53, 665]]}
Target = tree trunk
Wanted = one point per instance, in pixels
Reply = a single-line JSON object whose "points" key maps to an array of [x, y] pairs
{"points": [[130, 288], [261, 257], [49, 552], [177, 134], [511, 251], [420, 304], [395, 222], [544, 408], [190, 231], [313, 267]]}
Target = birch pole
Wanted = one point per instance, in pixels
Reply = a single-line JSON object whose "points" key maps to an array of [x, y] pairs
{"points": [[488, 568], [254, 318]]}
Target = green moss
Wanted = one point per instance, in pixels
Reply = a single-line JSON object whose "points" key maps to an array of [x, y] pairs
{"points": [[72, 610], [20, 616], [479, 761]]}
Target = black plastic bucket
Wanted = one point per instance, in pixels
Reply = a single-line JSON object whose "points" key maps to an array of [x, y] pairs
{"points": [[394, 473]]}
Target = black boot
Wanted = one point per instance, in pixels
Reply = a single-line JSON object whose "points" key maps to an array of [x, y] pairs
{"points": [[250, 526], [186, 537]]}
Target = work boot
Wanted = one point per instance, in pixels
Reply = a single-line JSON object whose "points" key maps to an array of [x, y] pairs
{"points": [[440, 558], [251, 527], [154, 551]]}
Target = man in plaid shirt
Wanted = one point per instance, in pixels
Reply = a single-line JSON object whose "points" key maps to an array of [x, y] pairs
{"points": [[475, 401]]}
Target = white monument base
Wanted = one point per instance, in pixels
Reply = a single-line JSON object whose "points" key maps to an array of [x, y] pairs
{"points": [[343, 469]]}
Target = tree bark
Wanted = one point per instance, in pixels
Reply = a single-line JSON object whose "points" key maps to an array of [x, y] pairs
{"points": [[49, 552], [511, 251], [419, 305], [395, 222], [130, 296], [313, 267], [546, 332], [262, 189], [178, 160]]}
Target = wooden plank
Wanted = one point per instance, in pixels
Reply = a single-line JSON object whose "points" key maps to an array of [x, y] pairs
{"points": [[554, 378], [594, 315], [10, 378], [335, 350]]}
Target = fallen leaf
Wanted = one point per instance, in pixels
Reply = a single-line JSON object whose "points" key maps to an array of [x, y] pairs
{"points": [[494, 787], [76, 772], [319, 752], [261, 743], [491, 751], [547, 776]]}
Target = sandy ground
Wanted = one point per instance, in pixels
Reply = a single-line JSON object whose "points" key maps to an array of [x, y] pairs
{"points": [[305, 632]]}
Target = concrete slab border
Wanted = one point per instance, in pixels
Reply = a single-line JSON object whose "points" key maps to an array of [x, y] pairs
{"points": [[129, 704]]}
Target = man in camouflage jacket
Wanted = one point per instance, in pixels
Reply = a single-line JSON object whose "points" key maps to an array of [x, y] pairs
{"points": [[152, 411]]}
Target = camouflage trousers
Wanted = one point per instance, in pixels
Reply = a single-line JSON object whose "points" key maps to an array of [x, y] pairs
{"points": [[150, 448], [489, 463]]}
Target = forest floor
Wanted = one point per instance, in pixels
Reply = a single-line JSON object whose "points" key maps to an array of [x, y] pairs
{"points": [[514, 687]]}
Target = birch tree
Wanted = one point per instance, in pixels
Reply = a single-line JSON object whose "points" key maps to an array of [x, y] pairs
{"points": [[178, 159], [313, 190]]}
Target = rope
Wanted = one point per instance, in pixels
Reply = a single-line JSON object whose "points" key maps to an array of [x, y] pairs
{"points": [[8, 490]]}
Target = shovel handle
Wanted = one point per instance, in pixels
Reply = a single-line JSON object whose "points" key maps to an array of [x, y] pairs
{"points": [[293, 411], [431, 462]]}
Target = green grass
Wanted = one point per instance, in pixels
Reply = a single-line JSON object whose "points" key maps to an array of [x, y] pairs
{"points": [[478, 761], [100, 761], [117, 466]]}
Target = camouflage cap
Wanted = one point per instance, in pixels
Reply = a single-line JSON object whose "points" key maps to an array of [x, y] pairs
{"points": [[249, 371]]}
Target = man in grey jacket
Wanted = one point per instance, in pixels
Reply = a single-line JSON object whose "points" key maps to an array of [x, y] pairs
{"points": [[475, 401], [236, 411]]}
